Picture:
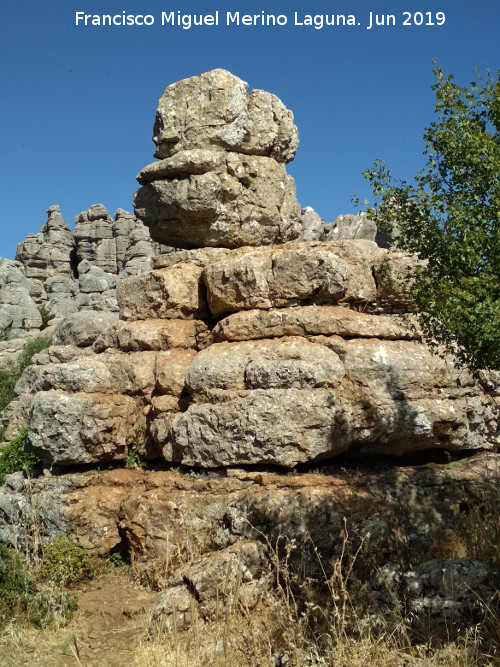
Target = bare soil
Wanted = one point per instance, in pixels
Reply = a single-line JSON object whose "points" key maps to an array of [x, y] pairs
{"points": [[111, 620]]}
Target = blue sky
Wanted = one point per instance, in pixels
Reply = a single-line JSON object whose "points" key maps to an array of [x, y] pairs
{"points": [[78, 104]]}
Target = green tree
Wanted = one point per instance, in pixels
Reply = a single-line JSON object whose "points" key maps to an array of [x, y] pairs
{"points": [[450, 217]]}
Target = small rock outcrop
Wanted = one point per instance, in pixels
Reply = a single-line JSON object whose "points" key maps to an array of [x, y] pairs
{"points": [[214, 540], [18, 312], [50, 252], [351, 227]]}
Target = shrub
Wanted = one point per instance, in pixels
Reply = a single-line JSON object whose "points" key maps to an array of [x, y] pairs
{"points": [[64, 562], [8, 379], [13, 458], [45, 315], [30, 349], [10, 376], [18, 593], [134, 458], [449, 217]]}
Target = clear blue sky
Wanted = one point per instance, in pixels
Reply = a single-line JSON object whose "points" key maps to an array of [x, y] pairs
{"points": [[77, 104]]}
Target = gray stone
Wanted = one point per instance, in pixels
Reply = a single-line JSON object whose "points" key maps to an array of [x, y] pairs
{"points": [[93, 234], [351, 227], [310, 321], [291, 275], [313, 226], [94, 279], [248, 200], [214, 584], [50, 252], [18, 311], [172, 292], [83, 428], [82, 329]]}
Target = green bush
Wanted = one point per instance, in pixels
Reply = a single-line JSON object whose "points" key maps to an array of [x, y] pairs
{"points": [[18, 593], [10, 376], [8, 379], [134, 458], [64, 562], [30, 349], [13, 458], [45, 315]]}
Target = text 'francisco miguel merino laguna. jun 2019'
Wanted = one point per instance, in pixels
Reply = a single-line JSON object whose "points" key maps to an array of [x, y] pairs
{"points": [[177, 19]]}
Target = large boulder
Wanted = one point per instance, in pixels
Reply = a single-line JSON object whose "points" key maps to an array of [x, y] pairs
{"points": [[287, 401], [293, 274], [221, 180], [215, 110]]}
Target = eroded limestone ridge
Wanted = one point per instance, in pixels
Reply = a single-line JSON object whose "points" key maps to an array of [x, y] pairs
{"points": [[70, 271], [221, 179]]}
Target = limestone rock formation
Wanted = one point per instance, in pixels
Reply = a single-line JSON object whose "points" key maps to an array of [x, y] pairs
{"points": [[94, 237], [281, 340], [313, 226], [344, 227], [215, 109], [213, 585], [276, 355], [50, 252], [281, 354], [221, 180], [113, 245], [439, 593]]}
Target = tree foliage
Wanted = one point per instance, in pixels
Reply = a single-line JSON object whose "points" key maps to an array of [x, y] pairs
{"points": [[450, 217]]}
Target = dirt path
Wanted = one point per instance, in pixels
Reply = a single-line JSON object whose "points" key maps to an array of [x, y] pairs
{"points": [[110, 622]]}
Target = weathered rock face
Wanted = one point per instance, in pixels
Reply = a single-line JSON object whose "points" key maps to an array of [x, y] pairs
{"points": [[229, 360], [18, 312], [313, 226], [292, 275], [94, 237], [215, 109], [213, 585], [117, 246], [416, 532], [287, 401], [221, 180], [351, 227], [50, 252]]}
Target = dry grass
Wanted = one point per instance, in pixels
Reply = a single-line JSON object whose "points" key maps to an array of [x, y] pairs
{"points": [[270, 634], [312, 618]]}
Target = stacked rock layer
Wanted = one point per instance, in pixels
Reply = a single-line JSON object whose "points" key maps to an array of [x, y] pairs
{"points": [[257, 349]]}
